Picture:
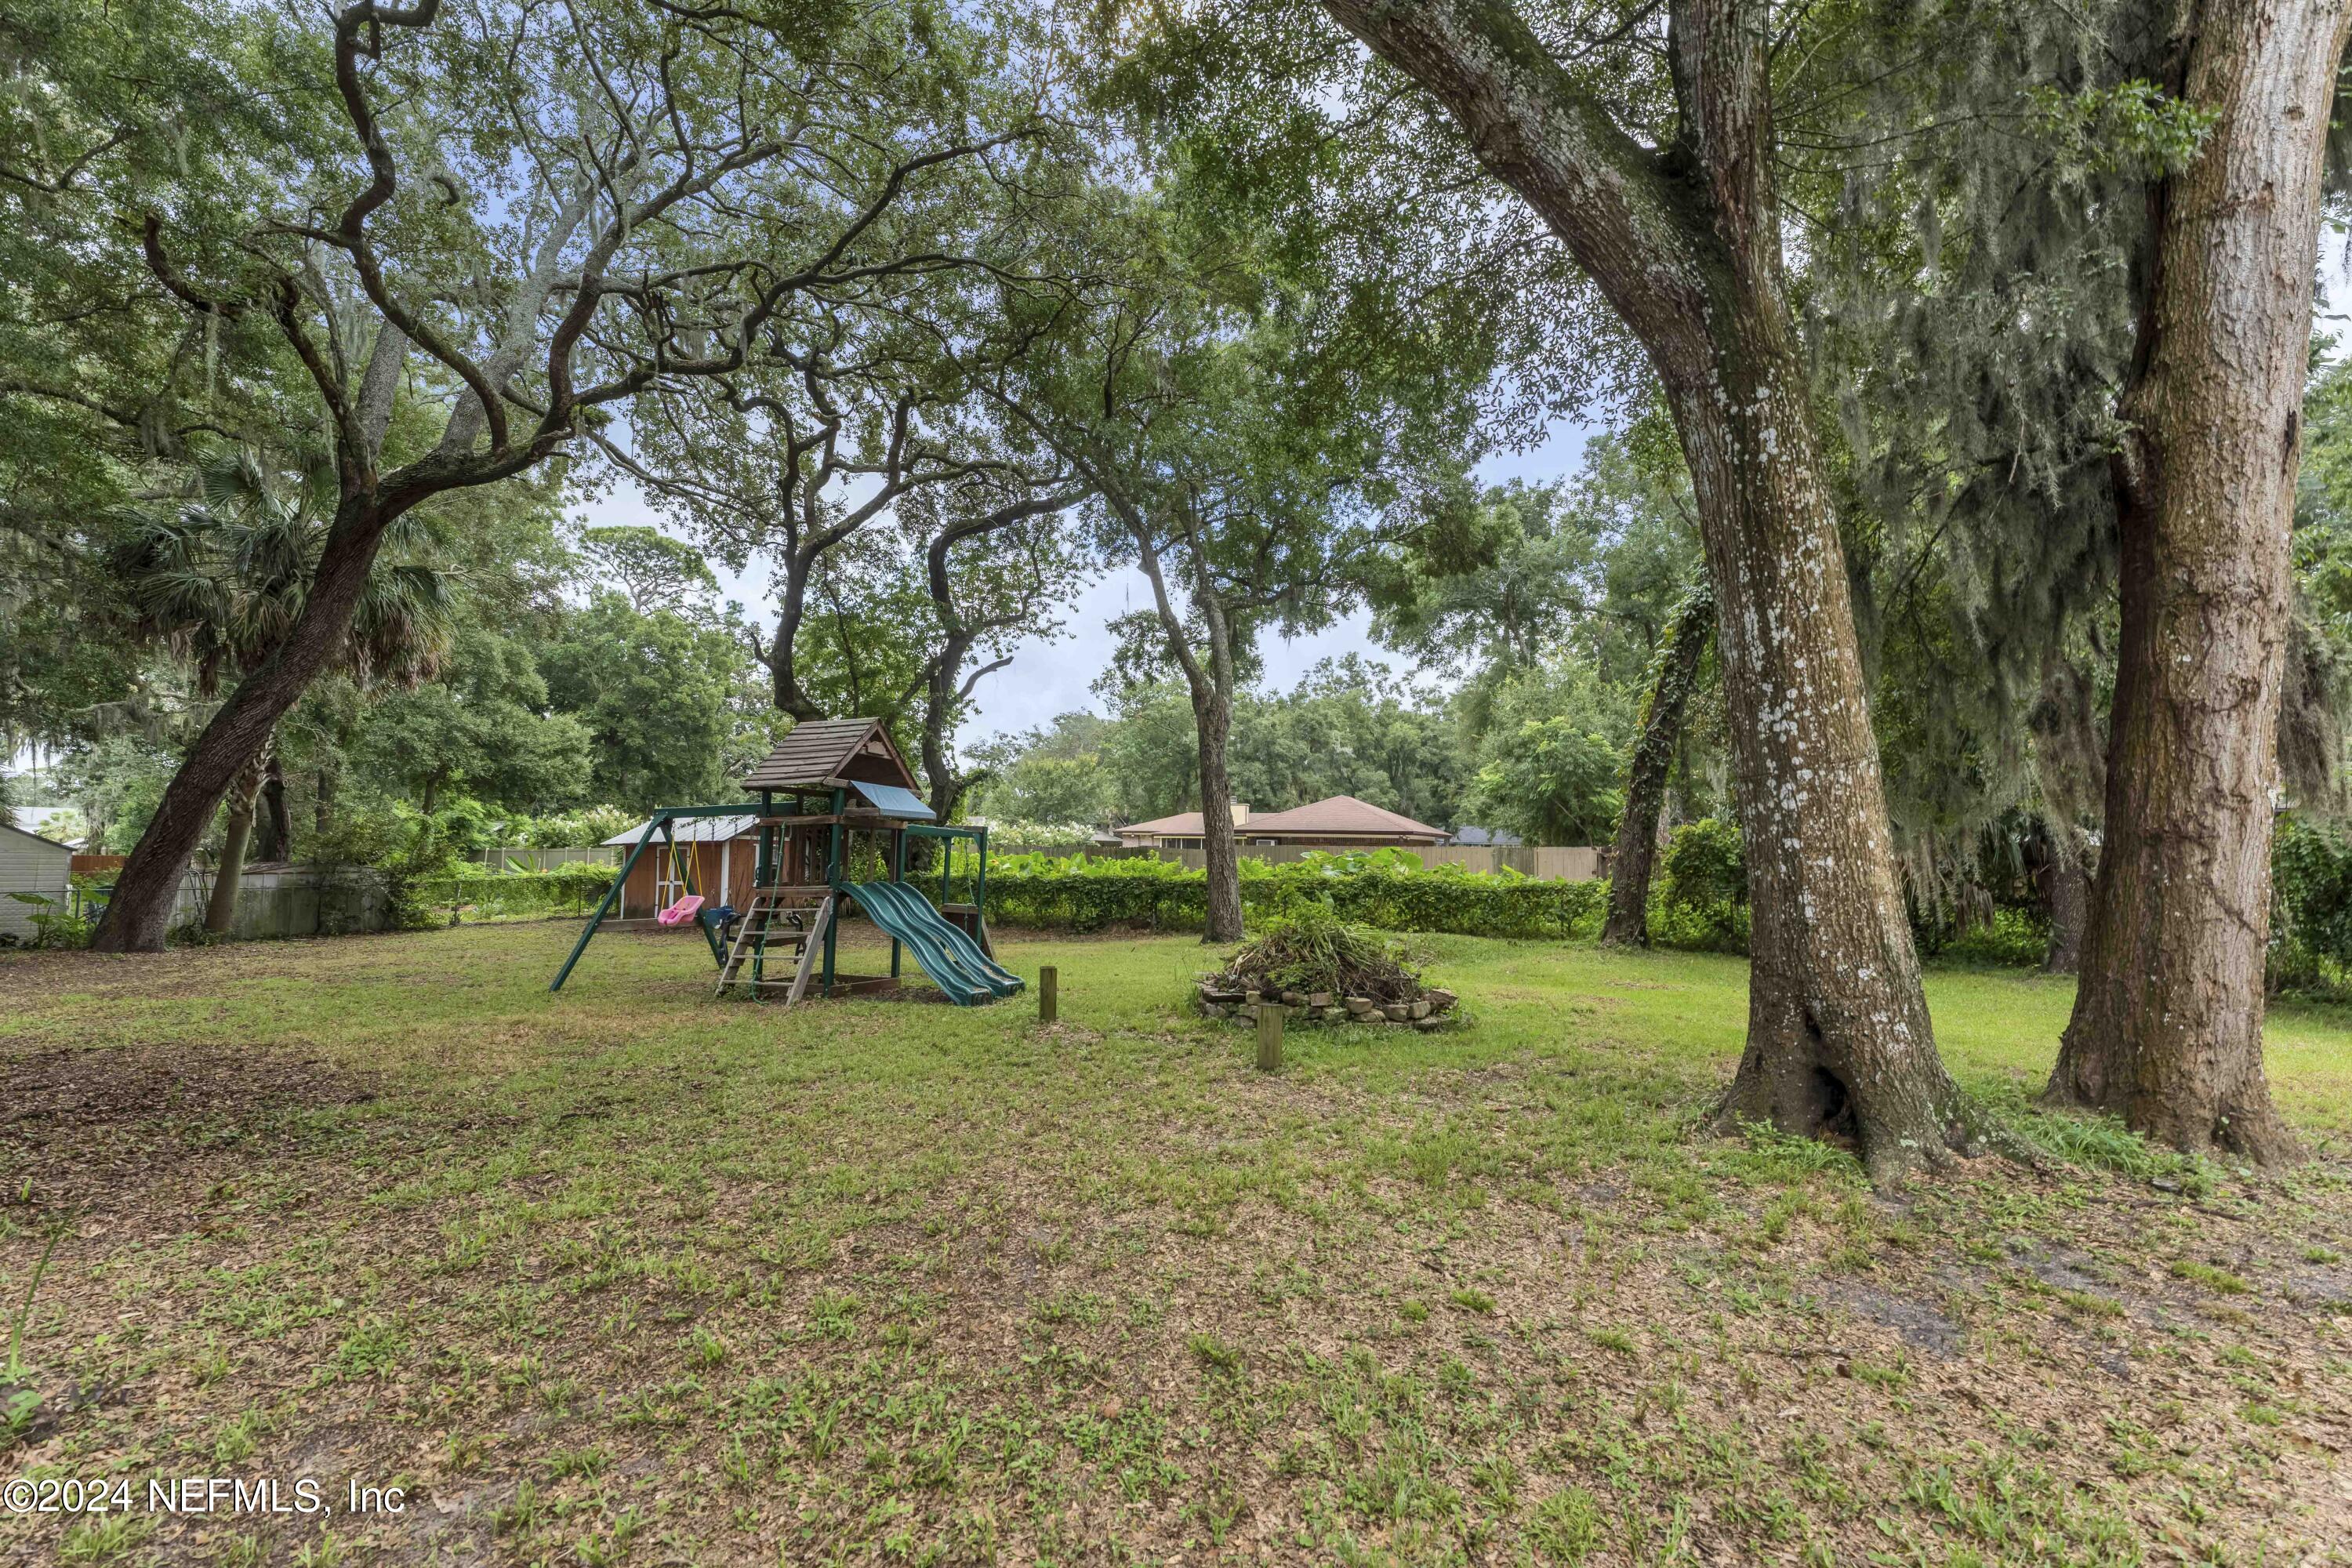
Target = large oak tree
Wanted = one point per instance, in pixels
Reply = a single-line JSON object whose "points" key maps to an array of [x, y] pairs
{"points": [[1645, 138], [638, 198], [2168, 1024]]}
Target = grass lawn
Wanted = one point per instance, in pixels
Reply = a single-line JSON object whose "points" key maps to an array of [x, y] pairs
{"points": [[626, 1275]]}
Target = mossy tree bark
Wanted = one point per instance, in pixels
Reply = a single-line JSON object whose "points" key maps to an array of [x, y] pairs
{"points": [[1636, 854], [2066, 891], [1684, 241], [2167, 1024]]}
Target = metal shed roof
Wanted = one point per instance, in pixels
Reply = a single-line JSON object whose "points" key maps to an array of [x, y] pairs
{"points": [[41, 839], [694, 830]]}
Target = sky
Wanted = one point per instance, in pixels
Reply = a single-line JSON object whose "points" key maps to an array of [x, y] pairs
{"points": [[1054, 675]]}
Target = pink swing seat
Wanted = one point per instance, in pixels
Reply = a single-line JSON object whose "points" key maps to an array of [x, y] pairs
{"points": [[685, 910]]}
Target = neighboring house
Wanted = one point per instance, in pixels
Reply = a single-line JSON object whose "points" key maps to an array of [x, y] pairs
{"points": [[723, 852], [45, 819], [30, 864], [1181, 831], [1485, 839], [1342, 822]]}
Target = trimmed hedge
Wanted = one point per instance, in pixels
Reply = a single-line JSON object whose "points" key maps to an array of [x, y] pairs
{"points": [[1388, 889], [479, 893]]}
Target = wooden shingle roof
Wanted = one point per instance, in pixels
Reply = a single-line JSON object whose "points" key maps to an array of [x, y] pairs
{"points": [[829, 753]]}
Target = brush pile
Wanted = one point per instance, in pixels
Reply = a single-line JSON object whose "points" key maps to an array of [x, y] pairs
{"points": [[1318, 966]]}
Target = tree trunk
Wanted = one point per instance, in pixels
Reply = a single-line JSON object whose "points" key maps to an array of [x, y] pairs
{"points": [[1645, 779], [947, 786], [1213, 721], [220, 912], [783, 670], [2070, 771], [275, 840], [1838, 1034], [1211, 687], [2066, 890], [1683, 242], [2166, 1030], [140, 910]]}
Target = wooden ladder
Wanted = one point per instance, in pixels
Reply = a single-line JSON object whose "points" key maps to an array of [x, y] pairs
{"points": [[758, 928]]}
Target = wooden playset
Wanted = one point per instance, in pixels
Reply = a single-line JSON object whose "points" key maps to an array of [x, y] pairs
{"points": [[828, 781]]}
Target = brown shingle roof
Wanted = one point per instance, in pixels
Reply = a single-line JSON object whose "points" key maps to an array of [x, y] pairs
{"points": [[829, 752], [1341, 814], [1184, 825]]}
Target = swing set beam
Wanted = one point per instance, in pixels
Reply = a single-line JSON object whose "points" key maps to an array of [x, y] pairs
{"points": [[663, 822]]}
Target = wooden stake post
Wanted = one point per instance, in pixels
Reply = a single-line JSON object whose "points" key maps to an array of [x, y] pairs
{"points": [[1269, 1037], [1049, 1000]]}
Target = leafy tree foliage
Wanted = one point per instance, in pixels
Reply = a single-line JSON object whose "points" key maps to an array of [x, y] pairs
{"points": [[672, 713], [1552, 762]]}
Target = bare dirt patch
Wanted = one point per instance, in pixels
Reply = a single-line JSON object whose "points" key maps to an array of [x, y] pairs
{"points": [[112, 1131]]}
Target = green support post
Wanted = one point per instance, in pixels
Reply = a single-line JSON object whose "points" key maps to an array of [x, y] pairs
{"points": [[836, 841], [661, 821], [897, 874], [604, 907], [765, 870]]}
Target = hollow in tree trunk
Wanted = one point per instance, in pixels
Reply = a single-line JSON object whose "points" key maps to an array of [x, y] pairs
{"points": [[1636, 854], [2167, 1024]]}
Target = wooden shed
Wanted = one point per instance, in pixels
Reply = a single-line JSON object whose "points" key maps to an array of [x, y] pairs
{"points": [[30, 864], [723, 853]]}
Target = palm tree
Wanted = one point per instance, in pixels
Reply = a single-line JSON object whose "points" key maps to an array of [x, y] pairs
{"points": [[219, 577]]}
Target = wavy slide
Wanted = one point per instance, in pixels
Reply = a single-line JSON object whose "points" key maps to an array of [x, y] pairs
{"points": [[952, 960]]}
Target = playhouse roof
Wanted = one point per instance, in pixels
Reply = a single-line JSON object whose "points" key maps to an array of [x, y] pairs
{"points": [[833, 753]]}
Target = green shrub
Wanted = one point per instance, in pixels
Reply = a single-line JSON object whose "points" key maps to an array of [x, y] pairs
{"points": [[403, 848], [1386, 889], [2014, 937], [55, 922], [1702, 894], [2311, 900], [486, 894]]}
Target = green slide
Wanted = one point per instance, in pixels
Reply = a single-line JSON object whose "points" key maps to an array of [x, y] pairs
{"points": [[950, 958]]}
